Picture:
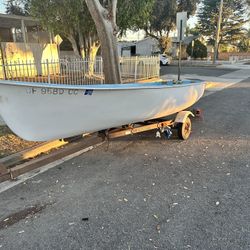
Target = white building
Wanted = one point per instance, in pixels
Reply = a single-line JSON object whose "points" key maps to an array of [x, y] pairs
{"points": [[150, 46], [145, 47]]}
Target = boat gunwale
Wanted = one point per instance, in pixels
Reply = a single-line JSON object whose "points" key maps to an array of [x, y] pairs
{"points": [[113, 87]]}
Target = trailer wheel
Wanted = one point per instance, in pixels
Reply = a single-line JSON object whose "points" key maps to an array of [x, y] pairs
{"points": [[184, 129]]}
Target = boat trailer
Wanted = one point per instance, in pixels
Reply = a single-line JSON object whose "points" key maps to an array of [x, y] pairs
{"points": [[181, 123]]}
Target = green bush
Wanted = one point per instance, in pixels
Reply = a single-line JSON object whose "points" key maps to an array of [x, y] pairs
{"points": [[199, 50]]}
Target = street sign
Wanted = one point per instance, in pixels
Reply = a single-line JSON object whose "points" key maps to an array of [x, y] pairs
{"points": [[58, 40], [181, 24]]}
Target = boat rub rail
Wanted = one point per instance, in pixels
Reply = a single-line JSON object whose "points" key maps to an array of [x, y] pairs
{"points": [[128, 86]]}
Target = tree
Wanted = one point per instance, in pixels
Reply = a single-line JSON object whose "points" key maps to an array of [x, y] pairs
{"points": [[199, 50], [16, 7], [233, 20], [133, 14], [244, 43], [70, 18], [193, 31], [106, 15], [163, 18]]}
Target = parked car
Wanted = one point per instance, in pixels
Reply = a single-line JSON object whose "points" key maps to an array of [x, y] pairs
{"points": [[164, 60]]}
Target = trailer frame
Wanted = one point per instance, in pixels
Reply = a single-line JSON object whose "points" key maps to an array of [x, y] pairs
{"points": [[181, 122]]}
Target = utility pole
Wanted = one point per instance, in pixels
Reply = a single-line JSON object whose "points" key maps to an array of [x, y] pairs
{"points": [[217, 39]]}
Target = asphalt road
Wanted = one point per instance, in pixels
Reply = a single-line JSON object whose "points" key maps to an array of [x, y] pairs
{"points": [[140, 192], [202, 71]]}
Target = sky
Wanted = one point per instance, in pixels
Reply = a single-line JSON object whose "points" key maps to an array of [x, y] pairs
{"points": [[133, 36], [2, 7], [2, 10]]}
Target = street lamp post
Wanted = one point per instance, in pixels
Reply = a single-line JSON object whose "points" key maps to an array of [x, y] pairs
{"points": [[217, 39]]}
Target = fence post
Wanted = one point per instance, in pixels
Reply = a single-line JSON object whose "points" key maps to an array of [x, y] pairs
{"points": [[48, 73], [101, 70], [3, 62], [136, 68], [158, 63], [4, 71]]}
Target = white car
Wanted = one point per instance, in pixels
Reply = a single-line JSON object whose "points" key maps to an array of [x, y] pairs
{"points": [[164, 60]]}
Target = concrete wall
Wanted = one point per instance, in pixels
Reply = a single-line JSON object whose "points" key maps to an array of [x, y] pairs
{"points": [[147, 46], [225, 56], [27, 53]]}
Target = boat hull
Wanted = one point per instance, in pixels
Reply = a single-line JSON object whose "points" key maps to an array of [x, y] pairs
{"points": [[41, 112]]}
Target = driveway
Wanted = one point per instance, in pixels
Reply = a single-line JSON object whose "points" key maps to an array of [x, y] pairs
{"points": [[140, 192]]}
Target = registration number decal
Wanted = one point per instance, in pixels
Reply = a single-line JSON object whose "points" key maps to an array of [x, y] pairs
{"points": [[58, 91]]}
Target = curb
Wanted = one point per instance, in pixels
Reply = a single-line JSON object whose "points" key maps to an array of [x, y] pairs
{"points": [[83, 145], [30, 153]]}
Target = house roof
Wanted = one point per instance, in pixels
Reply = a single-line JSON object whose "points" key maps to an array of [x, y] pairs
{"points": [[11, 21], [126, 44], [146, 39], [187, 40]]}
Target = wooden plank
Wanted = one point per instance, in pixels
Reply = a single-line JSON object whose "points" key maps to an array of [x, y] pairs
{"points": [[3, 169], [4, 173], [16, 158], [139, 129], [5, 177], [56, 155]]}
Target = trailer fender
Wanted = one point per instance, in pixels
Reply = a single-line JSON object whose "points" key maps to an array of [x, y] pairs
{"points": [[182, 116]]}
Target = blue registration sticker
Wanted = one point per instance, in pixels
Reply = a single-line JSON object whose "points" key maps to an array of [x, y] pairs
{"points": [[88, 92]]}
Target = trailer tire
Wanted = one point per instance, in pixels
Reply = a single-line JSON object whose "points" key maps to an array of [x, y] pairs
{"points": [[184, 129]]}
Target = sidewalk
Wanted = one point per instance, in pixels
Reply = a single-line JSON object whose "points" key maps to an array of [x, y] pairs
{"points": [[240, 65], [217, 83]]}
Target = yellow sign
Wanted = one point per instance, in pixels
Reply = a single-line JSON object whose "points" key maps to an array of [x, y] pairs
{"points": [[58, 40]]}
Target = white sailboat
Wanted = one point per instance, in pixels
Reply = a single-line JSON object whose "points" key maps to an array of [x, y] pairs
{"points": [[41, 112]]}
